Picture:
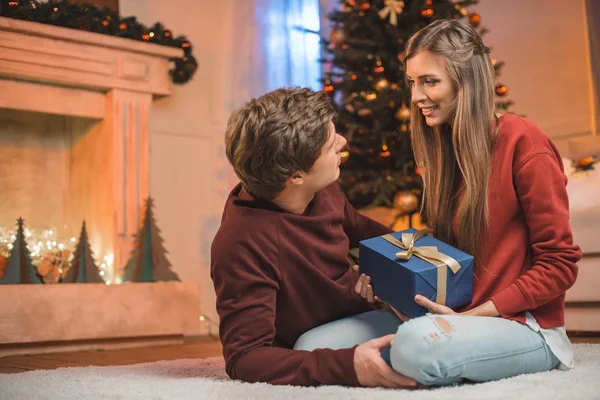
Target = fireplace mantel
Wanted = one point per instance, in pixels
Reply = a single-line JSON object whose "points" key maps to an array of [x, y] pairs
{"points": [[110, 80], [35, 52]]}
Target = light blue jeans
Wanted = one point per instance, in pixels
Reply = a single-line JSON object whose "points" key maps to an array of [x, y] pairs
{"points": [[438, 350]]}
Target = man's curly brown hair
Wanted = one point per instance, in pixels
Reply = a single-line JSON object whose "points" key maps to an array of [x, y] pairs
{"points": [[276, 135]]}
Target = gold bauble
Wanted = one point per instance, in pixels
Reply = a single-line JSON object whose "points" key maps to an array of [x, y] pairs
{"points": [[45, 266], [406, 202], [337, 36], [403, 113], [364, 112], [345, 155], [382, 84]]}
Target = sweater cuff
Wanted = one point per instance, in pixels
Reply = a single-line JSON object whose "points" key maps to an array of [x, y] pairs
{"points": [[510, 301], [342, 367]]}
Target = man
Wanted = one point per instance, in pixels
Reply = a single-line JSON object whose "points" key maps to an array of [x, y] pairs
{"points": [[279, 260]]}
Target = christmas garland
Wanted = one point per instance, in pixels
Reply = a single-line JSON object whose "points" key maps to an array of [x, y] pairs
{"points": [[93, 19]]}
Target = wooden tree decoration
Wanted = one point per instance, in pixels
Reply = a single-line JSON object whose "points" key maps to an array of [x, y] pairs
{"points": [[20, 269], [148, 262], [83, 269]]}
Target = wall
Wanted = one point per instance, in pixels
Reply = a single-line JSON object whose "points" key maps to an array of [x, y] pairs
{"points": [[189, 177], [545, 45]]}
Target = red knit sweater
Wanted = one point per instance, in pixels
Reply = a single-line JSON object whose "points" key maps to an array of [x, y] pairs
{"points": [[530, 258], [278, 275]]}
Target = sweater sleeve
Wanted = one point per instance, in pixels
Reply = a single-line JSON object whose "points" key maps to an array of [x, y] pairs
{"points": [[246, 290], [359, 227], [541, 187]]}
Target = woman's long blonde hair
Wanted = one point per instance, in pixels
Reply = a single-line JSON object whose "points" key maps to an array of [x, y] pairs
{"points": [[457, 156]]}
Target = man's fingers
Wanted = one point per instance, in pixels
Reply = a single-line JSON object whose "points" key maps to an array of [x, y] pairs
{"points": [[363, 291], [382, 342], [370, 298], [359, 284], [397, 379]]}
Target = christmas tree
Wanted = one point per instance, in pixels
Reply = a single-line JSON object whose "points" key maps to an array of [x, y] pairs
{"points": [[83, 269], [20, 268], [148, 262], [364, 75]]}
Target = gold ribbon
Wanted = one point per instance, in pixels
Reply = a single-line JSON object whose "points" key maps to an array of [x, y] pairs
{"points": [[429, 254], [393, 8]]}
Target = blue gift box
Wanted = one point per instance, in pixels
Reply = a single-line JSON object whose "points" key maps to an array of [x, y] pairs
{"points": [[398, 281]]}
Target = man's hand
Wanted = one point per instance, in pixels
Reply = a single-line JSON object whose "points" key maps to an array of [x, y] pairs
{"points": [[373, 371], [363, 286]]}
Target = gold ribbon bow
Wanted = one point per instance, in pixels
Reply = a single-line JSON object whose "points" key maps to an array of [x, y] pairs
{"points": [[393, 8], [429, 254]]}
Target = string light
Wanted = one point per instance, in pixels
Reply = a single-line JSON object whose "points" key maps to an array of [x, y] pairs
{"points": [[52, 254], [107, 269], [211, 326]]}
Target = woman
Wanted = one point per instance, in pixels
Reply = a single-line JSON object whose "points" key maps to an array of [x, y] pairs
{"points": [[494, 187]]}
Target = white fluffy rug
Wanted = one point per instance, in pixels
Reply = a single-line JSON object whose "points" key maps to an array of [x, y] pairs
{"points": [[206, 379]]}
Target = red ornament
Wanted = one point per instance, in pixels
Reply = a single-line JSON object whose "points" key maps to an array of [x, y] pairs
{"points": [[501, 90], [475, 20], [378, 70], [427, 12]]}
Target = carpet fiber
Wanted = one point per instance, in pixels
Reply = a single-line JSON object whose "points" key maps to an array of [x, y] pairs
{"points": [[206, 379]]}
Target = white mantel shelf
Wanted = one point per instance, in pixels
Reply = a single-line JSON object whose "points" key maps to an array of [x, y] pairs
{"points": [[36, 52]]}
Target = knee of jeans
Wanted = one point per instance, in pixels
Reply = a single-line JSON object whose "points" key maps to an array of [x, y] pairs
{"points": [[417, 347], [307, 341]]}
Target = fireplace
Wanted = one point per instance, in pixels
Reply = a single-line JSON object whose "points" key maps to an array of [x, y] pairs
{"points": [[74, 145], [74, 117]]}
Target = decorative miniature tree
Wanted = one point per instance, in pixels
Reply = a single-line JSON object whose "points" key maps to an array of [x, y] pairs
{"points": [[83, 269], [148, 262], [20, 268]]}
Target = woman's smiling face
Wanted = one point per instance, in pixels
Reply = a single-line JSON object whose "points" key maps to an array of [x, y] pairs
{"points": [[431, 87]]}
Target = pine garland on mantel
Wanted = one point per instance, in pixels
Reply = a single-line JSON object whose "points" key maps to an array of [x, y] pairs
{"points": [[90, 18]]}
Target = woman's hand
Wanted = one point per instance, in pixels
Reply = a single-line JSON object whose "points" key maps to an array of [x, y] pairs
{"points": [[432, 306], [487, 309]]}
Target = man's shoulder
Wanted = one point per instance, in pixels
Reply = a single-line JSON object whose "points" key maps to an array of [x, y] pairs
{"points": [[246, 233]]}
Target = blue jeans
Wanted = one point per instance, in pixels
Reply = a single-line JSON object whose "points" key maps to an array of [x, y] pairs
{"points": [[438, 350]]}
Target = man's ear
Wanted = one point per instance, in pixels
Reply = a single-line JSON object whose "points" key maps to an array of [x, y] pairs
{"points": [[297, 178]]}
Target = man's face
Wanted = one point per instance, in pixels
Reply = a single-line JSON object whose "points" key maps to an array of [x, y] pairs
{"points": [[326, 169]]}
